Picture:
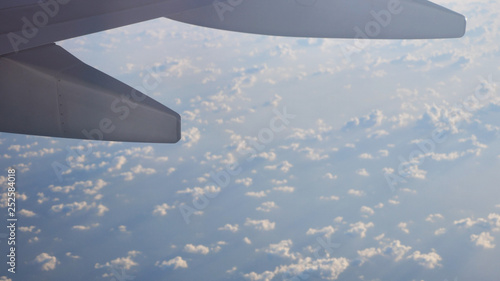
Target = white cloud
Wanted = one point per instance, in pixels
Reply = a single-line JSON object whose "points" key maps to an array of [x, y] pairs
{"points": [[355, 192], [492, 222], [372, 120], [329, 198], [68, 188], [128, 176], [229, 227], [176, 263], [47, 261], [365, 156], [393, 249], [412, 170], [199, 249], [81, 227], [69, 254], [359, 229], [279, 182], [314, 154], [72, 207], [393, 201], [122, 228], [28, 229], [267, 206], [362, 172], [122, 262], [434, 217], [247, 240], [97, 187], [440, 231], [327, 268], [171, 170], [270, 156], [197, 192], [288, 189], [281, 249], [383, 152], [245, 181], [330, 176], [191, 136], [429, 261], [367, 211], [265, 276], [141, 170], [101, 209], [119, 162], [27, 213], [484, 240], [264, 225], [161, 210], [33, 240], [404, 227], [85, 227], [327, 231], [284, 167], [377, 134], [259, 194]]}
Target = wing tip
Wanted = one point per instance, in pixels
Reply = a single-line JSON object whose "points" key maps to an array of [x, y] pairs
{"points": [[464, 26]]}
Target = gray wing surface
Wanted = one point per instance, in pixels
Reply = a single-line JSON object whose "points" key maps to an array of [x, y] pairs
{"points": [[46, 91], [364, 19]]}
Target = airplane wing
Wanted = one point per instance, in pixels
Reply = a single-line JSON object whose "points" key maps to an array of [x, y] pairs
{"points": [[363, 19], [46, 91]]}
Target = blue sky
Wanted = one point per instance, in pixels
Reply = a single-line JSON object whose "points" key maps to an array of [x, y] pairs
{"points": [[385, 166]]}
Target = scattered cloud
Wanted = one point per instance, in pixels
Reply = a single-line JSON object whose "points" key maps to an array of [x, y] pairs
{"points": [[123, 262], [264, 225], [199, 249], [429, 261], [327, 231], [484, 240], [359, 229], [267, 206], [47, 261], [161, 210], [174, 263], [229, 227]]}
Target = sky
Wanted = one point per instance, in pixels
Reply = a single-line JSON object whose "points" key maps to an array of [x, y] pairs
{"points": [[300, 159]]}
